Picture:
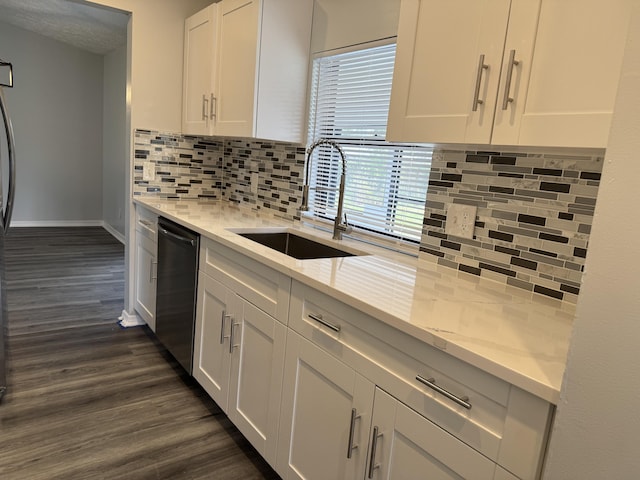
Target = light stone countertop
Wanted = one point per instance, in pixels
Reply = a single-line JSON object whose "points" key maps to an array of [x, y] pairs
{"points": [[513, 334]]}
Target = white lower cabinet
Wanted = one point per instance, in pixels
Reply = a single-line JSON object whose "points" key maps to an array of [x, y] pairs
{"points": [[337, 424], [146, 266], [351, 397], [433, 416], [405, 445], [326, 413], [238, 360]]}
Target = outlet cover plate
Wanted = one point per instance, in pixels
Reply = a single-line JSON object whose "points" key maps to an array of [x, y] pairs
{"points": [[148, 171], [461, 220]]}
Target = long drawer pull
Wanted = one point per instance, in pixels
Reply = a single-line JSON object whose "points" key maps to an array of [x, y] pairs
{"points": [[231, 335], [507, 84], [223, 320], [204, 107], [431, 383], [374, 449], [318, 318], [350, 446], [148, 225], [476, 93]]}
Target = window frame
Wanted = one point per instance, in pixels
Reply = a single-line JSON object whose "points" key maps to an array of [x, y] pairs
{"points": [[324, 215]]}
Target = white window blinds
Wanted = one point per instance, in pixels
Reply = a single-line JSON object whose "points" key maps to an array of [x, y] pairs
{"points": [[386, 183]]}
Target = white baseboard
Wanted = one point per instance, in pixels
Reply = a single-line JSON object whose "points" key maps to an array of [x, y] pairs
{"points": [[130, 320], [116, 234], [57, 223], [71, 223]]}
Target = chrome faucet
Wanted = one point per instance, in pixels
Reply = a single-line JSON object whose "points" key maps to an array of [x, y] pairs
{"points": [[338, 227]]}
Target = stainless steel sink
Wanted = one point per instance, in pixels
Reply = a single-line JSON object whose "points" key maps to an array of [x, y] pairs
{"points": [[295, 246]]}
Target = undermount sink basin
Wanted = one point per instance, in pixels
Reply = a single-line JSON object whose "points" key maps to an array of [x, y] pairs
{"points": [[295, 246]]}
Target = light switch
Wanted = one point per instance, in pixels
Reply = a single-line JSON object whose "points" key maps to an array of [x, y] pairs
{"points": [[461, 220]]}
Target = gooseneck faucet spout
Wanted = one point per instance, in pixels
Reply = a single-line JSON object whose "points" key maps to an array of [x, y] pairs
{"points": [[338, 226]]}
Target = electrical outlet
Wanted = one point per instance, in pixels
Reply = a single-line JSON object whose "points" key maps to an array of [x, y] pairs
{"points": [[254, 183], [148, 171], [461, 220]]}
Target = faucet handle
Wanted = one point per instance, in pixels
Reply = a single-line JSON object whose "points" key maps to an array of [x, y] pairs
{"points": [[345, 227]]}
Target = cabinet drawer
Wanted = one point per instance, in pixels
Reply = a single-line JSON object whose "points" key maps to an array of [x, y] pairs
{"points": [[146, 223], [393, 360], [260, 285]]}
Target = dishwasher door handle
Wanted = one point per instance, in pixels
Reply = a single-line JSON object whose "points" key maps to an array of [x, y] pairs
{"points": [[190, 241]]}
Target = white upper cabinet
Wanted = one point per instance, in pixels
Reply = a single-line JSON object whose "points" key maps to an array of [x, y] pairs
{"points": [[253, 82], [437, 70], [573, 79], [507, 72], [199, 47]]}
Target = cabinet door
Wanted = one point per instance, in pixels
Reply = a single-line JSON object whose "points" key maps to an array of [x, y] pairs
{"points": [[214, 316], [256, 378], [146, 280], [405, 445], [199, 53], [238, 28], [438, 70], [575, 71], [319, 396]]}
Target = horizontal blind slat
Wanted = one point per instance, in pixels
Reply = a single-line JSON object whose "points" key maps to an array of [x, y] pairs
{"points": [[386, 183]]}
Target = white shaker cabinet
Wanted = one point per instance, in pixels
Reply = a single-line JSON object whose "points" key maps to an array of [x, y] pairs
{"points": [[146, 266], [211, 358], [239, 347], [238, 360], [438, 72], [326, 413], [253, 82], [405, 444], [199, 71], [435, 413], [507, 72], [569, 83]]}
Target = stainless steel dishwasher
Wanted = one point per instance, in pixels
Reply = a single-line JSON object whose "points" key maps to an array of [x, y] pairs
{"points": [[176, 295]]}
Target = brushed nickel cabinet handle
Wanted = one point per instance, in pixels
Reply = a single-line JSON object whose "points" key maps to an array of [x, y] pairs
{"points": [[231, 344], [431, 383], [476, 96], [374, 447], [223, 319], [213, 104], [151, 276], [350, 446], [507, 86], [318, 318], [204, 107]]}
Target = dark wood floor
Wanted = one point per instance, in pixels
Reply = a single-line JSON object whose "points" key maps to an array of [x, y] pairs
{"points": [[88, 399]]}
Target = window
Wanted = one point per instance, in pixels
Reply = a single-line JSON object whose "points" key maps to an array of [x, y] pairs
{"points": [[386, 183]]}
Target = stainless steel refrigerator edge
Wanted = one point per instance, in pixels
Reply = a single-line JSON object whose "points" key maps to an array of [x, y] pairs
{"points": [[5, 220]]}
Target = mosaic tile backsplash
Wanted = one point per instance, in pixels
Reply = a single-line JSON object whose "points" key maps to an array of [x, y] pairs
{"points": [[187, 167], [533, 220], [534, 211], [279, 168], [199, 167]]}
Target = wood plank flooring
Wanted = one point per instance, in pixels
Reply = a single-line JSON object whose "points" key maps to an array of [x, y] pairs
{"points": [[88, 399]]}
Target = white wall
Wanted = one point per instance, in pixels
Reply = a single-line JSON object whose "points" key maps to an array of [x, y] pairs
{"points": [[114, 140], [56, 109], [154, 87], [597, 430], [341, 23], [157, 31]]}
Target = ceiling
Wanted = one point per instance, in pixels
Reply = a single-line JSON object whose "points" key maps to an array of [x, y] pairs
{"points": [[78, 23]]}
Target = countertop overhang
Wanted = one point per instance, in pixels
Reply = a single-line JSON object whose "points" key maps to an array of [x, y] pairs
{"points": [[518, 336]]}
